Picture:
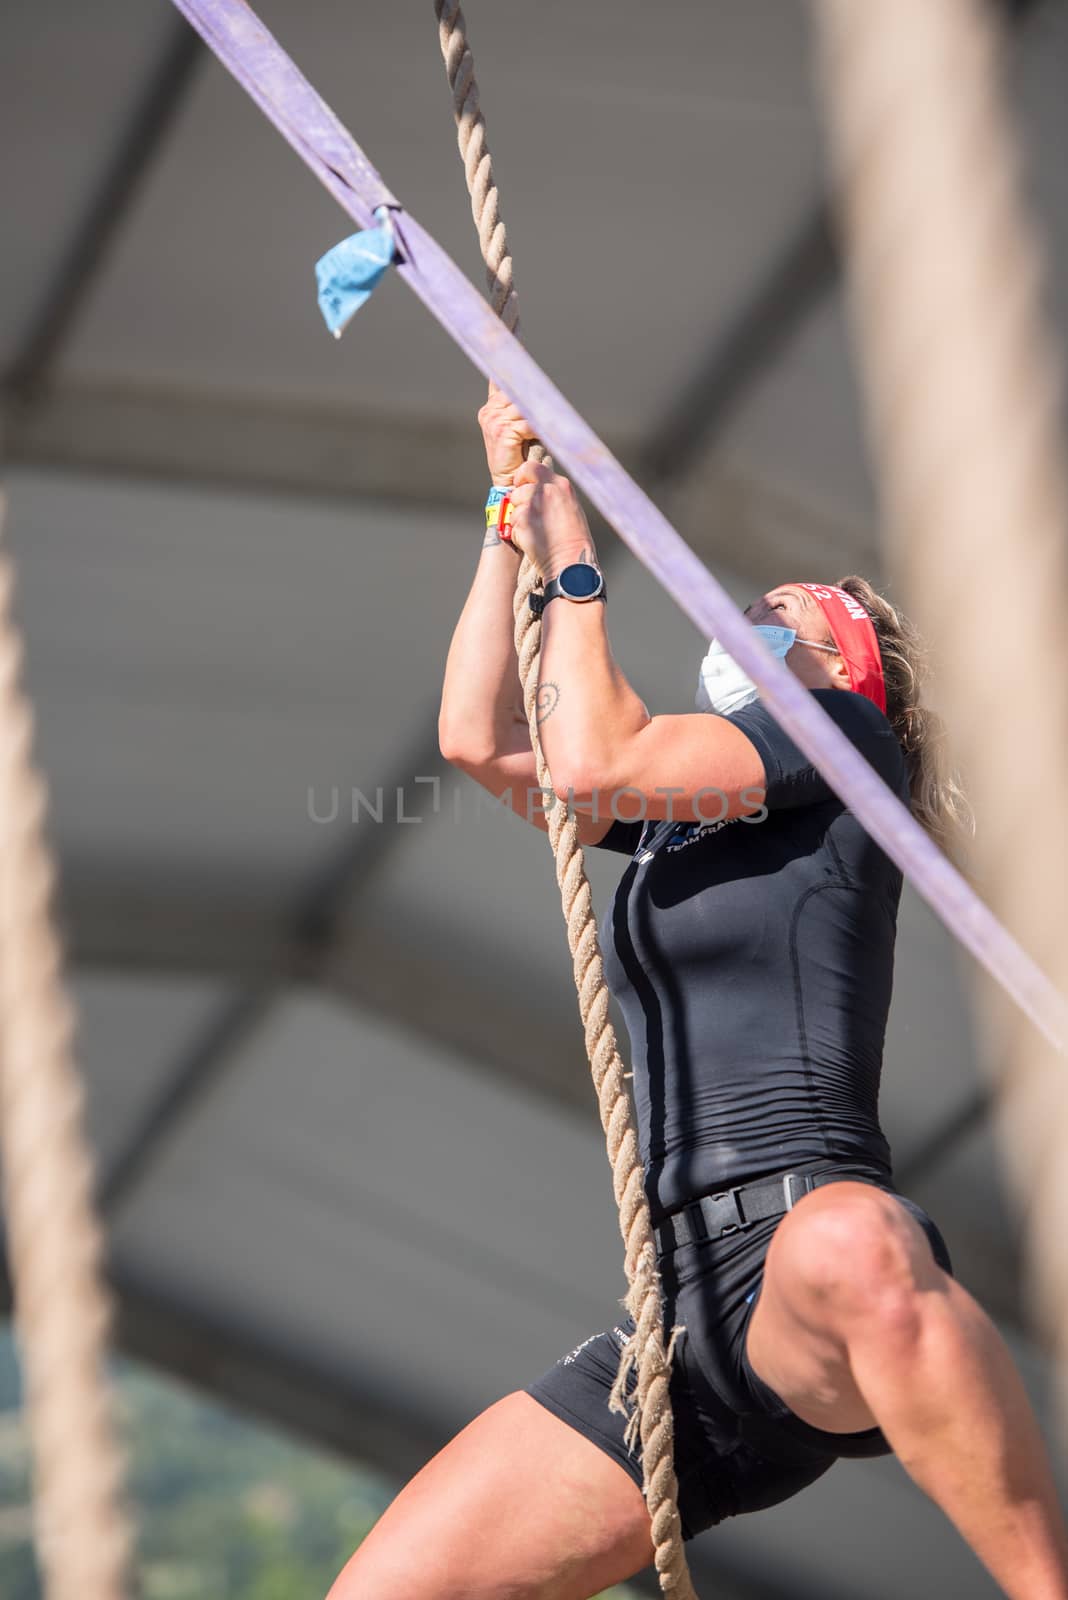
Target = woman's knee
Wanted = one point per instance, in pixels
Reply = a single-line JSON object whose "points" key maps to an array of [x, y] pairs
{"points": [[850, 1255]]}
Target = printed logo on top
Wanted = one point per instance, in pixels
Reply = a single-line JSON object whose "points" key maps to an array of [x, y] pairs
{"points": [[682, 835], [688, 833]]}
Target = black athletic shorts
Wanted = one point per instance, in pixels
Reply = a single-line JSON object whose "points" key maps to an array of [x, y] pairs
{"points": [[738, 1447]]}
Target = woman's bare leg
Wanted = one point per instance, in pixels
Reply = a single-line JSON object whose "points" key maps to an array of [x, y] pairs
{"points": [[518, 1507], [856, 1326]]}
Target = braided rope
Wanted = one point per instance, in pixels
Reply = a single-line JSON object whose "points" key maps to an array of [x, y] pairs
{"points": [[964, 397], [53, 1243], [650, 1416]]}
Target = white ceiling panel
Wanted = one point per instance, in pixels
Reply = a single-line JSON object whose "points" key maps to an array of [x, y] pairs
{"points": [[384, 1212], [202, 662]]}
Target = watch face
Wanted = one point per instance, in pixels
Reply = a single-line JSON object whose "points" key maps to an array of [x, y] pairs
{"points": [[580, 582]]}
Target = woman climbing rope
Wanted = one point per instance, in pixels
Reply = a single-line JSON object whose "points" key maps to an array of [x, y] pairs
{"points": [[750, 945]]}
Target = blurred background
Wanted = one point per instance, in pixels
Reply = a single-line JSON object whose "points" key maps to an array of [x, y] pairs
{"points": [[347, 1151]]}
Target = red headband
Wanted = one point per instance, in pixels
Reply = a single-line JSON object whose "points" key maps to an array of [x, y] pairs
{"points": [[854, 633]]}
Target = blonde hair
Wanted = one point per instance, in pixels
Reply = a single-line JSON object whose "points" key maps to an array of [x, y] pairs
{"points": [[938, 802]]}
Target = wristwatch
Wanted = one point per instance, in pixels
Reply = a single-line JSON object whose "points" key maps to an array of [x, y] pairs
{"points": [[576, 582]]}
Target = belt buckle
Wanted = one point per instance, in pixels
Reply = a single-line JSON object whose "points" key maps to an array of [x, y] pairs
{"points": [[803, 1186], [728, 1228]]}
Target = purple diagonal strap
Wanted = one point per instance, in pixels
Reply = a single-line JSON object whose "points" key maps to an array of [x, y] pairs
{"points": [[254, 57]]}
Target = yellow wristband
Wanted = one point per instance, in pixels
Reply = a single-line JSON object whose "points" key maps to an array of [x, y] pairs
{"points": [[499, 513]]}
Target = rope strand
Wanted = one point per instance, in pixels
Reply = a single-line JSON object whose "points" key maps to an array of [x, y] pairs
{"points": [[644, 1355], [54, 1246]]}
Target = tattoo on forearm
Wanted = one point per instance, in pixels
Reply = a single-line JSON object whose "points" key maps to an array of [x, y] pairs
{"points": [[493, 541], [587, 557], [546, 700]]}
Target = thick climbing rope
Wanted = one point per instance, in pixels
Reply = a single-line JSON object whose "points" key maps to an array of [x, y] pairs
{"points": [[645, 1353], [53, 1243], [964, 398]]}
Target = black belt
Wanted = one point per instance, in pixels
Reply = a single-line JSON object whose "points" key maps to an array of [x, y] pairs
{"points": [[717, 1215]]}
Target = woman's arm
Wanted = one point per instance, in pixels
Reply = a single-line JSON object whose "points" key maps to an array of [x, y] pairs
{"points": [[481, 696], [482, 728], [481, 690], [609, 759], [602, 746]]}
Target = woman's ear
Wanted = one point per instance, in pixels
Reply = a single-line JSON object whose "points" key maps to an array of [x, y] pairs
{"points": [[839, 672]]}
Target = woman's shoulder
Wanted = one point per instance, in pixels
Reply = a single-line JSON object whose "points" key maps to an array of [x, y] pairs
{"points": [[859, 718]]}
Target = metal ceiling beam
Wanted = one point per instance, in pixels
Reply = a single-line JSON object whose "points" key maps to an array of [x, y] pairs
{"points": [[151, 120], [240, 441]]}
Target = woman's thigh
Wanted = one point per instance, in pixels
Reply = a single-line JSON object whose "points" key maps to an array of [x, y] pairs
{"points": [[837, 1253], [518, 1505]]}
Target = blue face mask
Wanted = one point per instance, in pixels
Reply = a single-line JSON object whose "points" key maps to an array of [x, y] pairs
{"points": [[722, 686]]}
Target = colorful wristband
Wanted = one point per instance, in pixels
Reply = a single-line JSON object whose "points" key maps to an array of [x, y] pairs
{"points": [[499, 512]]}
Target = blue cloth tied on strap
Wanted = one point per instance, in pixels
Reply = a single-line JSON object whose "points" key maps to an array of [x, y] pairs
{"points": [[348, 273]]}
